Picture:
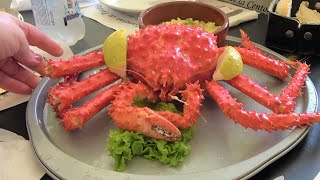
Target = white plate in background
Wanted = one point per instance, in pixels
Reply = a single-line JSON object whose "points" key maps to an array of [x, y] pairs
{"points": [[133, 6]]}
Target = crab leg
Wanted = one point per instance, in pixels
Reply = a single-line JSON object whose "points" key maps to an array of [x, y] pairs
{"points": [[254, 120], [192, 96], [246, 43], [77, 117], [76, 64], [143, 120], [293, 89], [261, 95], [271, 66], [283, 103], [252, 56], [62, 96]]}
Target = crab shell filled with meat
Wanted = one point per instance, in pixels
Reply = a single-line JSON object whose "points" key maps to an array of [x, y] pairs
{"points": [[166, 63]]}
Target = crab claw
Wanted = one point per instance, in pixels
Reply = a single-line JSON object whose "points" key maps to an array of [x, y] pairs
{"points": [[142, 120], [145, 121]]}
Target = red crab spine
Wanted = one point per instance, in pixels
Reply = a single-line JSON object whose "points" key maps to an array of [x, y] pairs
{"points": [[76, 118], [261, 95], [62, 96], [255, 120], [143, 120], [192, 96], [293, 89], [76, 64], [276, 68]]}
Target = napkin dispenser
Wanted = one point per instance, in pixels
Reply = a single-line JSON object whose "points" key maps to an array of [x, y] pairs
{"points": [[288, 34]]}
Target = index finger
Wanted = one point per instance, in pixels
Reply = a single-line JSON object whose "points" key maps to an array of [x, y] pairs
{"points": [[37, 38]]}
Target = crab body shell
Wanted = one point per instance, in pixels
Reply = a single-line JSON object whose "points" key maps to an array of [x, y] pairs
{"points": [[169, 57]]}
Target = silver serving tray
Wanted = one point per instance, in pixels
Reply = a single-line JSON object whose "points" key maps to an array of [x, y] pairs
{"points": [[221, 149]]}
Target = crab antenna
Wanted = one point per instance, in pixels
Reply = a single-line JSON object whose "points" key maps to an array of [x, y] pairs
{"points": [[179, 100]]}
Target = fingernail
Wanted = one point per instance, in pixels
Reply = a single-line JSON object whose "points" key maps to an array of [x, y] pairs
{"points": [[60, 51], [38, 57]]}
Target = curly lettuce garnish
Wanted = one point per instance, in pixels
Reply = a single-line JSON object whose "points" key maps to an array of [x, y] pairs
{"points": [[123, 145]]}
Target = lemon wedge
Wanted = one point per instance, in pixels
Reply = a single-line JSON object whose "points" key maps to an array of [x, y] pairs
{"points": [[115, 52], [229, 65]]}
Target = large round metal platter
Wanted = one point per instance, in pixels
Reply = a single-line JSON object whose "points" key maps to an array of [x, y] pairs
{"points": [[221, 149]]}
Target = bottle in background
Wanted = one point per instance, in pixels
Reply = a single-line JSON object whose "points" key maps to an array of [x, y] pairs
{"points": [[59, 19], [5, 7]]}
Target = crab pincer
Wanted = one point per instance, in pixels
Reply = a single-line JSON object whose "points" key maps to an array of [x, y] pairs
{"points": [[143, 120]]}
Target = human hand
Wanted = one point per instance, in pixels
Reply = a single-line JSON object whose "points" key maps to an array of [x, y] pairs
{"points": [[15, 38]]}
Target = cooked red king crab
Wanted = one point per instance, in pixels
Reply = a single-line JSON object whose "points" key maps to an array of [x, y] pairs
{"points": [[170, 61]]}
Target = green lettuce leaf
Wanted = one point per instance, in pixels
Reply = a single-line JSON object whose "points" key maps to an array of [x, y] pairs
{"points": [[123, 145]]}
